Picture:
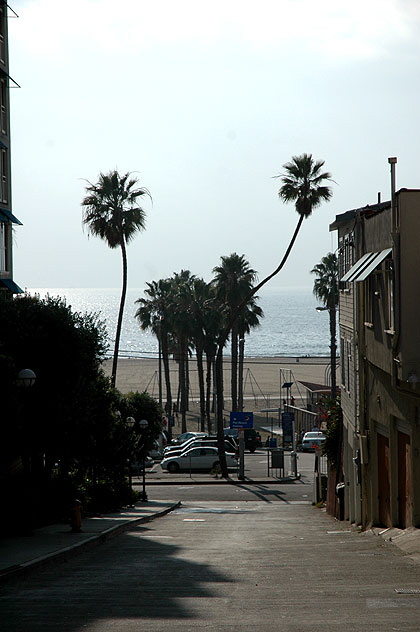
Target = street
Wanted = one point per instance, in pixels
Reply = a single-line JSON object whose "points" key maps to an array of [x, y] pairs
{"points": [[187, 489], [269, 565]]}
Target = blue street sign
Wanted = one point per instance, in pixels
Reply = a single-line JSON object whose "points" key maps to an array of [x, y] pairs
{"points": [[241, 420]]}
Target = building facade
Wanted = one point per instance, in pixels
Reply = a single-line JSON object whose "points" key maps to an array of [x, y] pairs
{"points": [[379, 262], [7, 219]]}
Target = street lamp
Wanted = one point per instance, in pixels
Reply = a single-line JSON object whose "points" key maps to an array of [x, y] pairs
{"points": [[130, 421], [26, 378], [144, 424]]}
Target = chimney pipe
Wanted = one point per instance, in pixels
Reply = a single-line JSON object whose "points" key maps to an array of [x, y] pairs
{"points": [[393, 161]]}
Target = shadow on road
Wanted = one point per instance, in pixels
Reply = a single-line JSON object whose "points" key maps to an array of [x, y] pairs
{"points": [[134, 576]]}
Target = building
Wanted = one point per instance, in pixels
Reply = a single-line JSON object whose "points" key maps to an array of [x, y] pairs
{"points": [[7, 219], [379, 262]]}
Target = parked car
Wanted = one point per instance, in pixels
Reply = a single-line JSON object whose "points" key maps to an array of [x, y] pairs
{"points": [[199, 443], [312, 440], [195, 441], [137, 466], [156, 452], [252, 437], [187, 435], [197, 459]]}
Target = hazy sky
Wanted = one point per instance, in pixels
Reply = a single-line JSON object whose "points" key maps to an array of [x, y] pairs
{"points": [[205, 101]]}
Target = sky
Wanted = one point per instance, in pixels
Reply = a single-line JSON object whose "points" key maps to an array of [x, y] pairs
{"points": [[204, 102]]}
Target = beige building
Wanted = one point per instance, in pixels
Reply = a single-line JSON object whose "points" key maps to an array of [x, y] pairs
{"points": [[379, 259], [7, 220]]}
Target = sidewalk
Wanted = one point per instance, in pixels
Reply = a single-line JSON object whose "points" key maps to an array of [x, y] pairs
{"points": [[19, 555]]}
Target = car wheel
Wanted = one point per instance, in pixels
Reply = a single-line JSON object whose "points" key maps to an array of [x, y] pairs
{"points": [[173, 468], [216, 464], [252, 449]]}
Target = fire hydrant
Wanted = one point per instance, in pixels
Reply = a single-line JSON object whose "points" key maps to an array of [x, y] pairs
{"points": [[76, 516]]}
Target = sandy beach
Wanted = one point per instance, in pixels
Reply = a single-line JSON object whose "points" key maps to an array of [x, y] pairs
{"points": [[263, 377]]}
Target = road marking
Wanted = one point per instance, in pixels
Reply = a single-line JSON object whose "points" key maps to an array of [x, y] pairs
{"points": [[194, 520]]}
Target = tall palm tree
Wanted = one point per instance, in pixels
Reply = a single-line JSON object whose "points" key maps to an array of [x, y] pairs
{"points": [[326, 291], [233, 281], [182, 325], [304, 184], [154, 314], [200, 299], [112, 212]]}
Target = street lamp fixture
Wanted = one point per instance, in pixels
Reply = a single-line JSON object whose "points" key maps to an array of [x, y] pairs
{"points": [[26, 378], [144, 424]]}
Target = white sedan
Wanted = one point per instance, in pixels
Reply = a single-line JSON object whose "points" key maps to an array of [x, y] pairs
{"points": [[197, 459], [312, 440]]}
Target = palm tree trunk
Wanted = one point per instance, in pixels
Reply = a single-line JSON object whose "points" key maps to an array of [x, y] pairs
{"points": [[165, 359], [234, 367], [221, 344], [209, 368], [183, 386], [219, 415], [241, 371], [120, 315], [200, 370]]}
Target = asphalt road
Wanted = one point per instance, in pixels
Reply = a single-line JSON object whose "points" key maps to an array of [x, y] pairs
{"points": [[255, 468], [219, 566]]}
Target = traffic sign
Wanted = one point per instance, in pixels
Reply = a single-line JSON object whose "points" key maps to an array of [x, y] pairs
{"points": [[241, 420]]}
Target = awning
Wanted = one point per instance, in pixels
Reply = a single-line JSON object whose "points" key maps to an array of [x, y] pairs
{"points": [[365, 265], [5, 74], [380, 256], [7, 216], [11, 285]]}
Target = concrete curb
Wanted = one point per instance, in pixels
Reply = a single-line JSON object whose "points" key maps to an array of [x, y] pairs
{"points": [[219, 481], [64, 554]]}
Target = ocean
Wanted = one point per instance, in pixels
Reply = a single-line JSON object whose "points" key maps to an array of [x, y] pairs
{"points": [[291, 326]]}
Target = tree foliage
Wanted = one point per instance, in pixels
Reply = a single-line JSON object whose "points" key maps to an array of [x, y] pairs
{"points": [[112, 212]]}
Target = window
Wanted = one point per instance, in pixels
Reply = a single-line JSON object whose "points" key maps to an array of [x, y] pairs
{"points": [[343, 362], [348, 372], [3, 106], [3, 17], [4, 228], [345, 258], [389, 296], [4, 177]]}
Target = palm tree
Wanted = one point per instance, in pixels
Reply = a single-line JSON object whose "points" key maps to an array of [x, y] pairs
{"points": [[199, 308], [304, 184], [182, 325], [233, 281], [154, 314], [326, 291], [111, 212]]}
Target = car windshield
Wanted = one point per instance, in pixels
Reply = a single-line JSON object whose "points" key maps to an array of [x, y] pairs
{"points": [[313, 435]]}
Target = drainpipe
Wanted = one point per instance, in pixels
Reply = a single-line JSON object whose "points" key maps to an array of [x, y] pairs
{"points": [[395, 236]]}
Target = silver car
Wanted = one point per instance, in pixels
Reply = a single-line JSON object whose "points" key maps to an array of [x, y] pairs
{"points": [[196, 459]]}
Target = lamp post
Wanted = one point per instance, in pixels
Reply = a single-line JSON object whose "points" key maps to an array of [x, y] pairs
{"points": [[26, 379], [130, 421], [144, 424]]}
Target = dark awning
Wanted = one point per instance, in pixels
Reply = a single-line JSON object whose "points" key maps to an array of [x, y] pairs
{"points": [[7, 216], [365, 265], [11, 285], [380, 256]]}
